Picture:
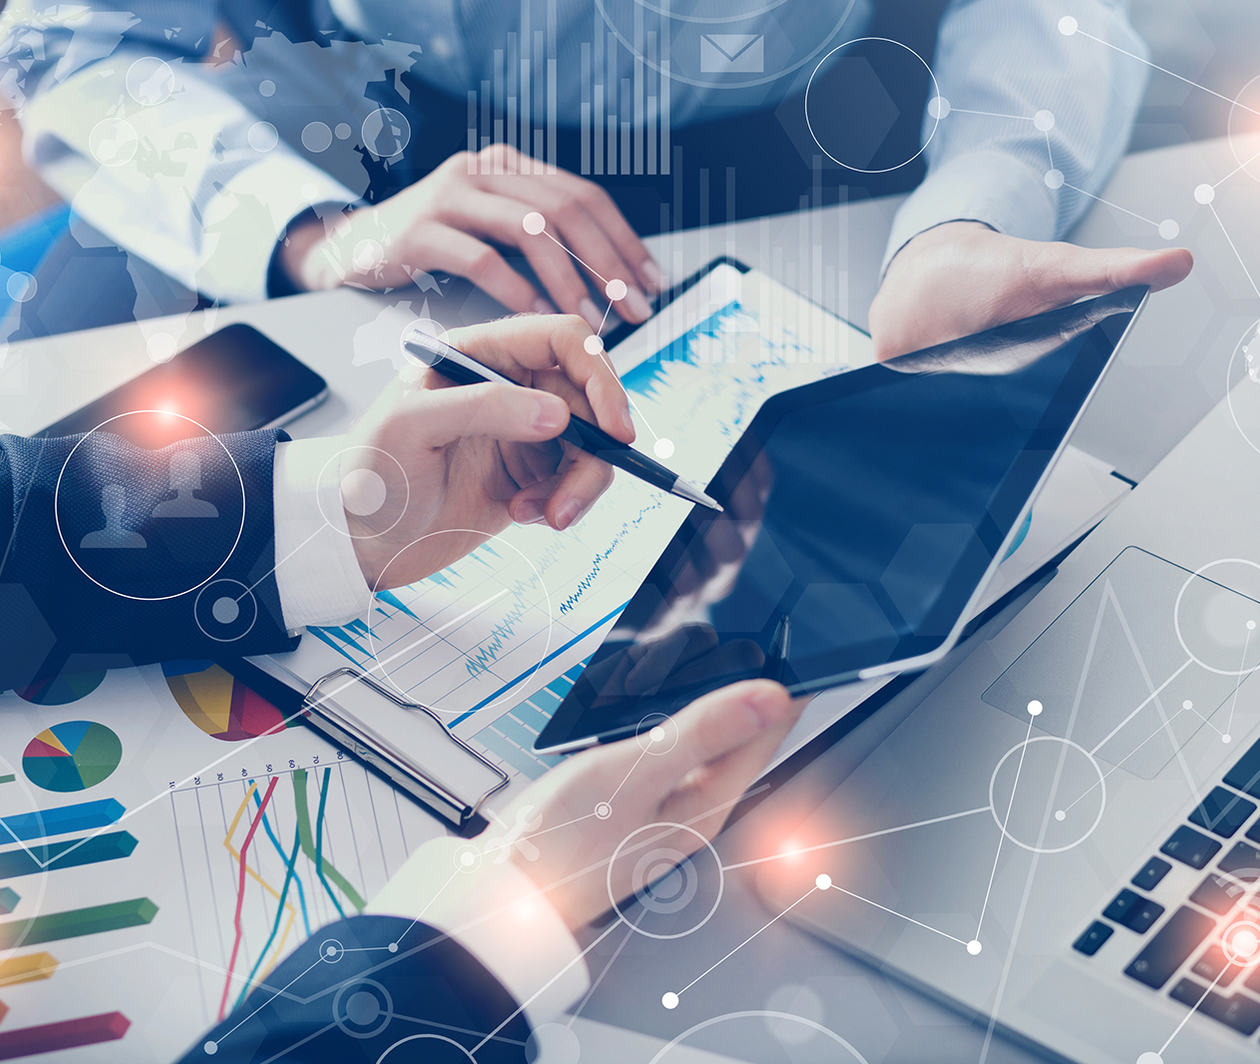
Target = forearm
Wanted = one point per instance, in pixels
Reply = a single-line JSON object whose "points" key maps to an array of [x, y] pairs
{"points": [[1009, 60], [192, 182], [100, 561]]}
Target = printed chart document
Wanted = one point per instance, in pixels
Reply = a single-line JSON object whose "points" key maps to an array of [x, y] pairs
{"points": [[493, 642]]}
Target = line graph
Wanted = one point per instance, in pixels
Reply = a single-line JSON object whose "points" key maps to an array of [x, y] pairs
{"points": [[264, 859]]}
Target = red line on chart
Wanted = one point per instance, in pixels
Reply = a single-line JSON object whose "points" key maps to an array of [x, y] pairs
{"points": [[240, 894]]}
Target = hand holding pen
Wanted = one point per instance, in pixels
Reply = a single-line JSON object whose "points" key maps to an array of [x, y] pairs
{"points": [[462, 369]]}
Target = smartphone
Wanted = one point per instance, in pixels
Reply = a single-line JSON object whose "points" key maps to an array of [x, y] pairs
{"points": [[233, 380]]}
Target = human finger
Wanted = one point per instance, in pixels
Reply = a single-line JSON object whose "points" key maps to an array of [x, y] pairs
{"points": [[508, 221], [581, 484], [503, 411], [436, 246], [535, 345], [1060, 273]]}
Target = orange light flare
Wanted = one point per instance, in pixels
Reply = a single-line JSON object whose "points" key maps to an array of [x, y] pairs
{"points": [[790, 861], [1240, 942]]}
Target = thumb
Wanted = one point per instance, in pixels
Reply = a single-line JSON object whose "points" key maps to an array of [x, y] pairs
{"points": [[504, 411], [720, 723], [1064, 272]]}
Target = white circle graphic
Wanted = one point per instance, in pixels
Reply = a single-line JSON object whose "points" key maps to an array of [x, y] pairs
{"points": [[57, 506], [936, 92]]}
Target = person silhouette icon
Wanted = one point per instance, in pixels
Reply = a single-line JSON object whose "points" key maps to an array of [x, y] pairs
{"points": [[113, 536], [185, 482]]}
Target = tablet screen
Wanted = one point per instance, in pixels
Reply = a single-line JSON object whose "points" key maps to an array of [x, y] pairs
{"points": [[863, 515]]}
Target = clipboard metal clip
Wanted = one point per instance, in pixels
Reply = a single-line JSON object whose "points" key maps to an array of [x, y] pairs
{"points": [[349, 731]]}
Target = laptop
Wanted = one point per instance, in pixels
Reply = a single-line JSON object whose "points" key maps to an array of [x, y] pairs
{"points": [[1065, 836]]}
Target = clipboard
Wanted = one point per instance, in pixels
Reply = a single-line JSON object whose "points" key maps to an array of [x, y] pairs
{"points": [[452, 793]]}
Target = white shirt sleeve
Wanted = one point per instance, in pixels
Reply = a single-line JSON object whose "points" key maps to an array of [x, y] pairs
{"points": [[496, 913], [1033, 121], [317, 571], [198, 185]]}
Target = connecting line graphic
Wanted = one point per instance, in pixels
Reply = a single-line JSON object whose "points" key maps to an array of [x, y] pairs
{"points": [[1069, 26], [1140, 706], [973, 947], [615, 289], [902, 916], [670, 998], [1232, 246], [212, 1047], [1227, 735], [854, 838], [590, 993], [1054, 178], [1202, 998], [545, 987]]}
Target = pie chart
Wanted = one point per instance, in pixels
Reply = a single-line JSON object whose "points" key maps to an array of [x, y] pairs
{"points": [[72, 756], [220, 705]]}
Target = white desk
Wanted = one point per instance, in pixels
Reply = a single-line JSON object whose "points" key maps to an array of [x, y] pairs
{"points": [[1170, 374]]}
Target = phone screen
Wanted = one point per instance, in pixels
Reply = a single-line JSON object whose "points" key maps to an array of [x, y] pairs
{"points": [[233, 380]]}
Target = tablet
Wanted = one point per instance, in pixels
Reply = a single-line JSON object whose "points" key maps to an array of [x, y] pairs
{"points": [[864, 514]]}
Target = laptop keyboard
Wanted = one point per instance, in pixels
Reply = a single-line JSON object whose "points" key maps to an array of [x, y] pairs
{"points": [[1202, 950]]}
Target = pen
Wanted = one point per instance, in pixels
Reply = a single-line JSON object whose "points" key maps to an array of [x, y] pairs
{"points": [[459, 368]]}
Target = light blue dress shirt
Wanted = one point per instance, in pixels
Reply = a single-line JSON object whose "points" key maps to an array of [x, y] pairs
{"points": [[199, 168]]}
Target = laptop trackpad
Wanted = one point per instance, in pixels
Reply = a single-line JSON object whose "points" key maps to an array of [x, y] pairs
{"points": [[1143, 658]]}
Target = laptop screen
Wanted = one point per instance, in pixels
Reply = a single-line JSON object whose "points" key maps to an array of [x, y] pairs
{"points": [[863, 515]]}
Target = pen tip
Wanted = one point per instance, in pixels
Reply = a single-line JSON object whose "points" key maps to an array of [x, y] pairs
{"points": [[693, 494]]}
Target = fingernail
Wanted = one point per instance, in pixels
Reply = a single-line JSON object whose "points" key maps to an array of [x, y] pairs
{"points": [[637, 304], [550, 416], [568, 513], [652, 273], [528, 512], [541, 306], [767, 703], [591, 313], [627, 422]]}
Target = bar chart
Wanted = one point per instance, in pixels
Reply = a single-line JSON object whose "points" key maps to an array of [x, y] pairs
{"points": [[623, 105], [42, 842]]}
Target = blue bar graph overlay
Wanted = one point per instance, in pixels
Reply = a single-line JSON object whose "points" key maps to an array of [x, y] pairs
{"points": [[511, 737], [84, 816]]}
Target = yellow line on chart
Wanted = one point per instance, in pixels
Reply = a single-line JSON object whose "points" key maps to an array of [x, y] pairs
{"points": [[236, 856]]}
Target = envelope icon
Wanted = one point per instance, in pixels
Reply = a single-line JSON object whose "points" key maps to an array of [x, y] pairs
{"points": [[732, 53]]}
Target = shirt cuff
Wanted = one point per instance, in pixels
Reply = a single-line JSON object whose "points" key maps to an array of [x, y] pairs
{"points": [[496, 913], [317, 571], [248, 217], [991, 187]]}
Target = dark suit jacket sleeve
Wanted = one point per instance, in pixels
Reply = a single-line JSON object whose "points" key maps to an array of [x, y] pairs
{"points": [[64, 607], [359, 1002]]}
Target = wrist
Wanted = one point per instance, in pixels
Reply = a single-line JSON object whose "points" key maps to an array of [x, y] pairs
{"points": [[296, 254], [944, 233]]}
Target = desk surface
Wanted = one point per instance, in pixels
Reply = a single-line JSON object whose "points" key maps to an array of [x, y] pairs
{"points": [[1168, 376]]}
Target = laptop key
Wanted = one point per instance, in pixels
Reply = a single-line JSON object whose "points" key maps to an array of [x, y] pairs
{"points": [[1122, 905], [1190, 847], [1214, 966], [1217, 893], [1252, 982], [1252, 834], [1236, 1011], [1245, 775], [1093, 938], [1222, 812], [1142, 917], [1152, 872], [1170, 946], [1242, 862]]}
